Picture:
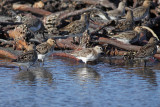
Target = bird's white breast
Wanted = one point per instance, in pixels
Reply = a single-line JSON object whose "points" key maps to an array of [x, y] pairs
{"points": [[126, 41], [41, 56]]}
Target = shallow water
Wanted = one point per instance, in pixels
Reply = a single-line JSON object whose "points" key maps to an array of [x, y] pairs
{"points": [[110, 82]]}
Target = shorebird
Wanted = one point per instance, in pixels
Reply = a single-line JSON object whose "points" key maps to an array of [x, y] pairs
{"points": [[98, 15], [117, 13], [141, 12], [88, 54], [86, 37], [22, 31], [147, 51], [125, 24], [51, 21], [26, 59], [76, 28], [32, 23], [44, 49], [128, 37]]}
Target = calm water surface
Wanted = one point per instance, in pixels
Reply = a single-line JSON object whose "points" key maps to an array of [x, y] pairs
{"points": [[111, 82]]}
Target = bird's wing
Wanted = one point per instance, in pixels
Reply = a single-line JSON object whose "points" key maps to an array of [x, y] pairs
{"points": [[143, 53], [139, 11], [70, 26], [82, 53], [42, 48], [125, 34], [114, 13], [25, 57]]}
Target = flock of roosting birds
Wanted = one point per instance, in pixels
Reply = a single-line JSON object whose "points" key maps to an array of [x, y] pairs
{"points": [[124, 30]]}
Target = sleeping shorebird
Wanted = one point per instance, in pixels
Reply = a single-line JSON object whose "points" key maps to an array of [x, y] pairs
{"points": [[45, 49], [26, 59], [98, 15], [32, 23], [147, 51], [88, 54], [117, 13], [128, 37], [125, 24], [141, 12]]}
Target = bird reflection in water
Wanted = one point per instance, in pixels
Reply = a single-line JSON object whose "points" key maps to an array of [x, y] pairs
{"points": [[86, 73], [35, 74]]}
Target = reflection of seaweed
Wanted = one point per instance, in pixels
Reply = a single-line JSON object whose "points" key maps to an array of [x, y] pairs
{"points": [[85, 73], [135, 67], [127, 63], [35, 74], [148, 74]]}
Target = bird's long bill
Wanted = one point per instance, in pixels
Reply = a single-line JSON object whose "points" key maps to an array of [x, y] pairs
{"points": [[91, 20]]}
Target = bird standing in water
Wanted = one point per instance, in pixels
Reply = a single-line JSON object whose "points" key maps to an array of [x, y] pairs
{"points": [[45, 49], [26, 59], [88, 54]]}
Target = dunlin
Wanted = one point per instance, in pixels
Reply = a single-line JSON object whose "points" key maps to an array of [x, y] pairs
{"points": [[44, 49], [117, 13], [98, 14], [128, 37], [76, 28], [32, 23], [50, 22], [88, 54], [141, 12], [147, 51], [125, 24], [26, 59]]}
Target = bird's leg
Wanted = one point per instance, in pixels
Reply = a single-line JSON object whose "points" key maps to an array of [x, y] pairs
{"points": [[79, 40], [145, 62], [20, 68], [74, 40], [85, 64], [31, 32], [147, 17], [29, 66], [43, 34], [42, 62], [27, 69], [39, 63]]}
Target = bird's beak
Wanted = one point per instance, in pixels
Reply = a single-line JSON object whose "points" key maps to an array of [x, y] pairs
{"points": [[92, 20]]}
